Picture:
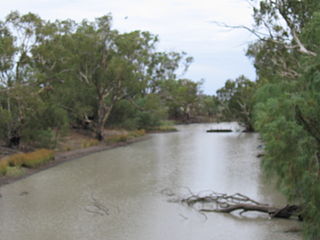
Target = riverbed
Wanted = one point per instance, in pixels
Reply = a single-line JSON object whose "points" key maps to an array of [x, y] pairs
{"points": [[118, 194]]}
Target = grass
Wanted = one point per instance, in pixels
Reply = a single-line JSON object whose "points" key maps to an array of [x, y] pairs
{"points": [[29, 160], [37, 158], [16, 159], [14, 171], [89, 143], [3, 167], [164, 128], [136, 133], [124, 137]]}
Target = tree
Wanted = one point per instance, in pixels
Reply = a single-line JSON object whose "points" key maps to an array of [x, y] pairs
{"points": [[20, 100], [104, 65], [287, 100], [181, 97], [236, 97]]}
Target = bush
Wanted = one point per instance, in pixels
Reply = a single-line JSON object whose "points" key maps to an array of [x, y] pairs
{"points": [[40, 138]]}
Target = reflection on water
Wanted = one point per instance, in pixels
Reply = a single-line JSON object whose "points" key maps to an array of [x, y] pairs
{"points": [[63, 202]]}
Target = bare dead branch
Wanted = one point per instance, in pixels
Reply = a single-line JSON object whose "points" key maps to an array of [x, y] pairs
{"points": [[259, 35], [269, 37], [224, 203]]}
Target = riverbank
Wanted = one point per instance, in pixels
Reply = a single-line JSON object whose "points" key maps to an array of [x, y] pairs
{"points": [[76, 148]]}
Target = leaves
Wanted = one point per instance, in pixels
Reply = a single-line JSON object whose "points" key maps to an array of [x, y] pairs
{"points": [[286, 102]]}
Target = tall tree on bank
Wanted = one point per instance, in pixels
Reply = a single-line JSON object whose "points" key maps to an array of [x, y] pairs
{"points": [[20, 100], [236, 101], [287, 101], [104, 65]]}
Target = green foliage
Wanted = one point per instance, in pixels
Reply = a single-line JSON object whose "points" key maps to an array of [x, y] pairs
{"points": [[143, 113], [287, 101], [181, 97], [236, 101], [208, 106], [64, 73]]}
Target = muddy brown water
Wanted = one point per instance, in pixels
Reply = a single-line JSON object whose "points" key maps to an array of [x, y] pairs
{"points": [[116, 194]]}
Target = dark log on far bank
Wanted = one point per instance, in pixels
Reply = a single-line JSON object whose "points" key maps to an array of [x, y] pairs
{"points": [[219, 130]]}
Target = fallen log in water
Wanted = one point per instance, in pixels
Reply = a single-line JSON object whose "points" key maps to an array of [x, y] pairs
{"points": [[224, 203]]}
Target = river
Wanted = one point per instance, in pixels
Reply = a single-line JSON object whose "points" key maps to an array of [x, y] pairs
{"points": [[116, 194]]}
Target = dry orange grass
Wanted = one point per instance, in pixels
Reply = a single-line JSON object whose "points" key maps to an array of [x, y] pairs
{"points": [[39, 157], [3, 166], [16, 159], [32, 159]]}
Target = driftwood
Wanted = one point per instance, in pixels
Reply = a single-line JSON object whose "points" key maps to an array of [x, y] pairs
{"points": [[224, 203], [218, 130]]}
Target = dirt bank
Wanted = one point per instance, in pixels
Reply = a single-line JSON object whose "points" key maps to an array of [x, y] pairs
{"points": [[64, 156]]}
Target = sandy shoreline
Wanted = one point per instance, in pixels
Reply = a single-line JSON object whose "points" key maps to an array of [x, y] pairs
{"points": [[61, 157]]}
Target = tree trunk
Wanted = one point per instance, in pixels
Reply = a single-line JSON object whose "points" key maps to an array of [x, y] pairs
{"points": [[103, 114]]}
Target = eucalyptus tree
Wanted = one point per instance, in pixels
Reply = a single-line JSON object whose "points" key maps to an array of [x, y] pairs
{"points": [[21, 101], [166, 66], [91, 67], [181, 96], [236, 101]]}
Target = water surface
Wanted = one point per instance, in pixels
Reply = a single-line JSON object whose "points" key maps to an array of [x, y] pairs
{"points": [[116, 194]]}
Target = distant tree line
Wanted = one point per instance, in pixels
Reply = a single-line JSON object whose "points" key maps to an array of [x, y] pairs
{"points": [[65, 74]]}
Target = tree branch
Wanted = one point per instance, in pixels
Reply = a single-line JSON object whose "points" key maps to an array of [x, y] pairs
{"points": [[224, 203]]}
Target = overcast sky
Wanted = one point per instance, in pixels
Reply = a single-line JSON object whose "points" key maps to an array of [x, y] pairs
{"points": [[182, 25]]}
